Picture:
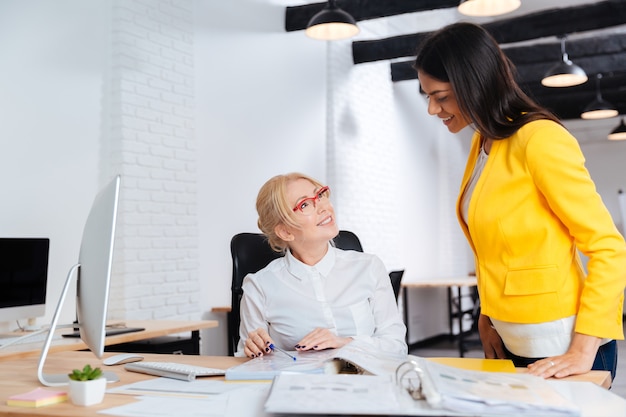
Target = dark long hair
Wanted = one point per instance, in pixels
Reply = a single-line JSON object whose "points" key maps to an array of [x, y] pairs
{"points": [[482, 78]]}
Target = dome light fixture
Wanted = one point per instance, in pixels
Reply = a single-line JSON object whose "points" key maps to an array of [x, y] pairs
{"points": [[487, 7], [599, 108], [331, 23], [619, 133], [564, 73]]}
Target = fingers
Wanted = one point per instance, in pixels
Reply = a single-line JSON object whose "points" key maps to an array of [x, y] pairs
{"points": [[320, 339], [559, 366], [313, 340], [546, 368], [257, 344]]}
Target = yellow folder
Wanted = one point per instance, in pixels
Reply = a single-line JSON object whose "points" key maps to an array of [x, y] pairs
{"points": [[477, 364]]}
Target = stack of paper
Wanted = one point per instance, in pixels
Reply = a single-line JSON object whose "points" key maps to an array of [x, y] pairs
{"points": [[267, 367], [330, 361], [447, 390]]}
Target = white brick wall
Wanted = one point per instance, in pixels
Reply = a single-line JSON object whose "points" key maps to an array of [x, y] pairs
{"points": [[150, 142], [365, 144], [395, 175]]}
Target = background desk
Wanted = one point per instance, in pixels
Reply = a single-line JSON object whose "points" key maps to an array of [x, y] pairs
{"points": [[20, 375], [153, 328], [455, 308]]}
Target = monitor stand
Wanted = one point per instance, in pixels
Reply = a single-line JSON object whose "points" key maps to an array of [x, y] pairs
{"points": [[52, 380]]}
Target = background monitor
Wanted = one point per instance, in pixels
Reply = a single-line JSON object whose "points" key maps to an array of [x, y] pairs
{"points": [[93, 272], [23, 277]]}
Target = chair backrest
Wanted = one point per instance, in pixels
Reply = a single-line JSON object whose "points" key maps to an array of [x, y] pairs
{"points": [[347, 240], [250, 253], [396, 281]]}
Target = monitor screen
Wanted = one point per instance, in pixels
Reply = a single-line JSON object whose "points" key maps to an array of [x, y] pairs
{"points": [[93, 275], [23, 277]]}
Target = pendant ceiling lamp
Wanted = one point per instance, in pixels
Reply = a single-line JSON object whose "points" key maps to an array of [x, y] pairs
{"points": [[619, 133], [564, 73], [599, 108], [331, 23], [487, 7]]}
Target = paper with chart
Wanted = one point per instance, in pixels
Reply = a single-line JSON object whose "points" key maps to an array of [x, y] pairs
{"points": [[335, 394], [492, 392]]}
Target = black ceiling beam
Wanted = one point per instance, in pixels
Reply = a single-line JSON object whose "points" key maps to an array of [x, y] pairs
{"points": [[599, 54], [527, 73], [553, 22], [297, 17], [556, 22], [568, 103], [576, 49]]}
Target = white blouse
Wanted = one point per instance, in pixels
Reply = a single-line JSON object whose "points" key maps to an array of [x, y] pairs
{"points": [[348, 292]]}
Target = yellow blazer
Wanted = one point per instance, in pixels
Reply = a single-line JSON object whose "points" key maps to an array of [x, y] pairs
{"points": [[532, 207]]}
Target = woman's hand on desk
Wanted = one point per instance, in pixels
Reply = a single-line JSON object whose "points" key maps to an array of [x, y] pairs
{"points": [[257, 343], [490, 339], [320, 339], [577, 360]]}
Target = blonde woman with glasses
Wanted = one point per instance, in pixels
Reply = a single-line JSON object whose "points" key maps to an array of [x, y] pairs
{"points": [[316, 296]]}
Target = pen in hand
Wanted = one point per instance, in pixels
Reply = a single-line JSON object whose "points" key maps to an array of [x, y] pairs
{"points": [[271, 346]]}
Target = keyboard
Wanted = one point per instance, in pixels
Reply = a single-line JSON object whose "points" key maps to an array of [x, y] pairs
{"points": [[173, 370]]}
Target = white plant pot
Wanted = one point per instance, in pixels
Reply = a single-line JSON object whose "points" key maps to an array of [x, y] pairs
{"points": [[87, 393]]}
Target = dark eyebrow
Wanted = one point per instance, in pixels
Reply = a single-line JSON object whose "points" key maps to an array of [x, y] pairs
{"points": [[434, 92]]}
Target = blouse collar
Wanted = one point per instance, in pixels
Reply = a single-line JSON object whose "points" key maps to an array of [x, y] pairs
{"points": [[301, 270]]}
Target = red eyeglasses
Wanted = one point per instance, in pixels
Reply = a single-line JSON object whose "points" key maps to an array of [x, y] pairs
{"points": [[307, 205]]}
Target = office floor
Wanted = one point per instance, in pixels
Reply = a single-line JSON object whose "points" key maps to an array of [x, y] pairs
{"points": [[447, 348]]}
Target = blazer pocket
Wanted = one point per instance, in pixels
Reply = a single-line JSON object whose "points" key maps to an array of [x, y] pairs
{"points": [[537, 280]]}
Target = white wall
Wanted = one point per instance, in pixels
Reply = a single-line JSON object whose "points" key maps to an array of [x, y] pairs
{"points": [[50, 103], [605, 162]]}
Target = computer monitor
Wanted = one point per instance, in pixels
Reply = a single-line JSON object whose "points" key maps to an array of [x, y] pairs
{"points": [[23, 277], [93, 272]]}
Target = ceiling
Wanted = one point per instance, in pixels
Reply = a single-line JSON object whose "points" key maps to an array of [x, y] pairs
{"points": [[530, 36]]}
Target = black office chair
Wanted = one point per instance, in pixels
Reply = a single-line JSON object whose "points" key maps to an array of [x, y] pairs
{"points": [[348, 241], [396, 281], [250, 253]]}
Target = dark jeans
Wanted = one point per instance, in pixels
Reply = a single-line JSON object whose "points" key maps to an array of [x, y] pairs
{"points": [[606, 359]]}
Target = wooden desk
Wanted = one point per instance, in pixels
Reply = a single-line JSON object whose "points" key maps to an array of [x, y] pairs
{"points": [[20, 375], [455, 310], [153, 328]]}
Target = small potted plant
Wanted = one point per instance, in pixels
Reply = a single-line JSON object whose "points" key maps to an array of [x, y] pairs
{"points": [[87, 386]]}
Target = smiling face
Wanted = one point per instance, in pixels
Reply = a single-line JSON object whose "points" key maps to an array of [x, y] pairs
{"points": [[442, 102], [315, 229]]}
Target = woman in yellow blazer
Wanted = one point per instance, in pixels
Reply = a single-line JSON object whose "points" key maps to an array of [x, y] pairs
{"points": [[527, 205]]}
